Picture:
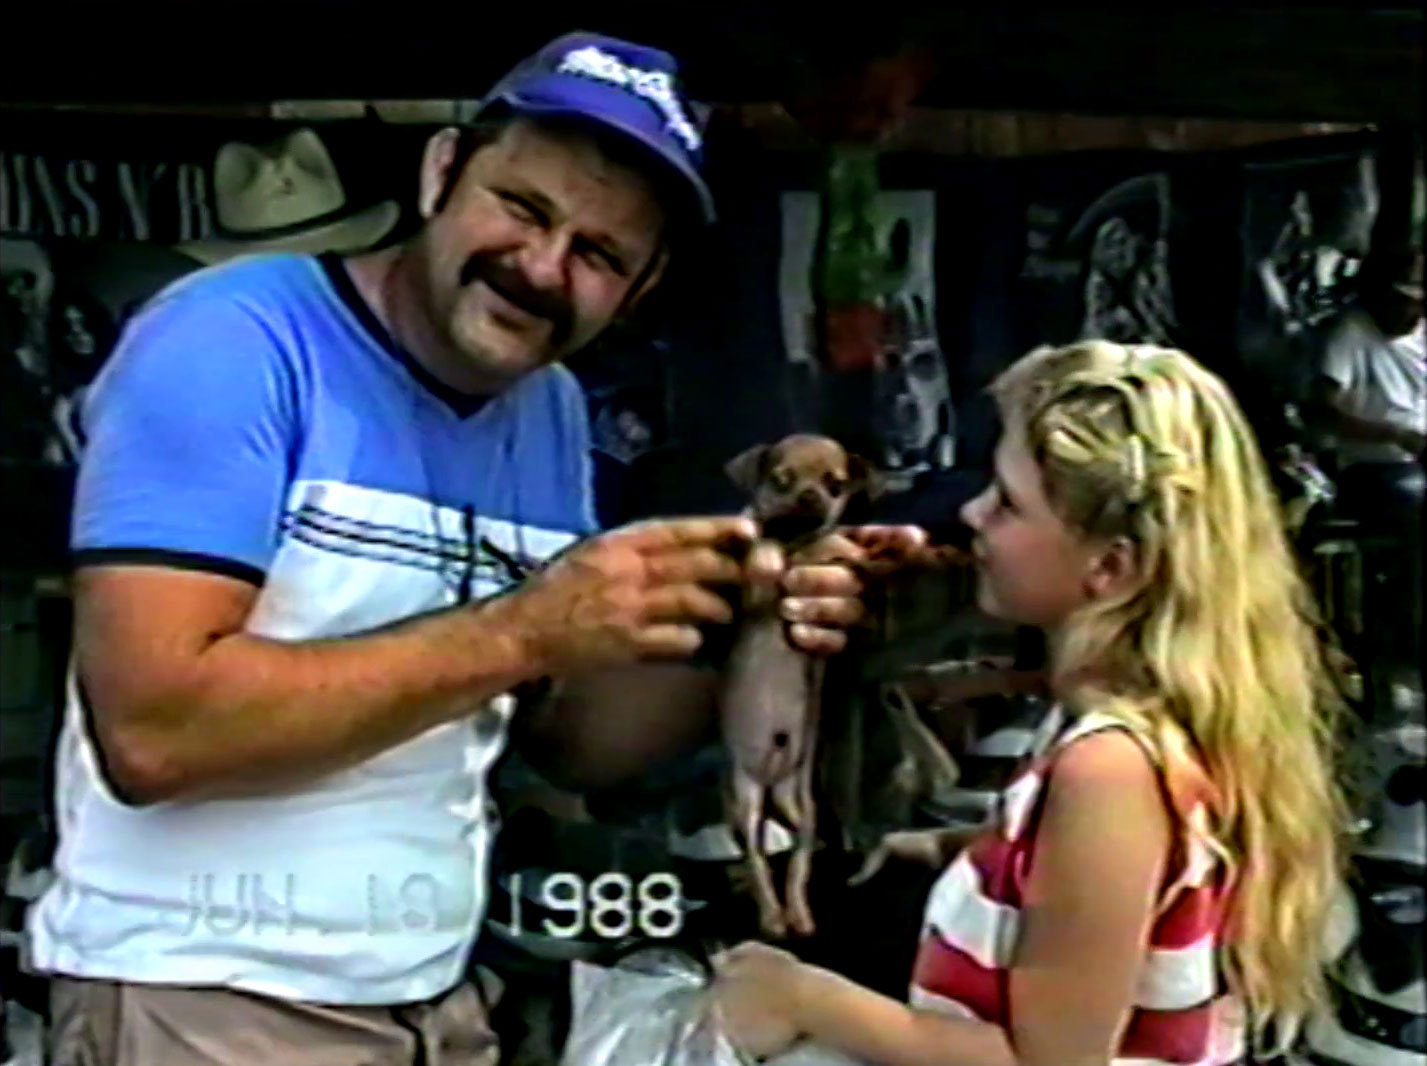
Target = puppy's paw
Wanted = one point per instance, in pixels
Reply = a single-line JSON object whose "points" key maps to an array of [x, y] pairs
{"points": [[800, 919], [773, 925]]}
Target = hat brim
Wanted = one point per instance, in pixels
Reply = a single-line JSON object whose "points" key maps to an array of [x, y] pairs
{"points": [[614, 108], [354, 233]]}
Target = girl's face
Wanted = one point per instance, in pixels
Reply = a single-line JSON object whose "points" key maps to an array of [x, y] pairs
{"points": [[1032, 569]]}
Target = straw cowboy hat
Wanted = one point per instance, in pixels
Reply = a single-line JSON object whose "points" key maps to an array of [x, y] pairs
{"points": [[286, 196]]}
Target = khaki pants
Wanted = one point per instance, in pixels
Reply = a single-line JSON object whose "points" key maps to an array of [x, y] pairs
{"points": [[106, 1023]]}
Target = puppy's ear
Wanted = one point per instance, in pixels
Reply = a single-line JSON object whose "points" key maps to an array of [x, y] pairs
{"points": [[865, 477], [746, 469]]}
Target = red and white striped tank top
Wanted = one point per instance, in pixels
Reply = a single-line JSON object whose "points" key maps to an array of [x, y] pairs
{"points": [[1181, 1013]]}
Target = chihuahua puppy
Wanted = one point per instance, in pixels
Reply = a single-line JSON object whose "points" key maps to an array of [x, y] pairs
{"points": [[772, 692]]}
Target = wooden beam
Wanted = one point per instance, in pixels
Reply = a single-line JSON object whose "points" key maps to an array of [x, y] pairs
{"points": [[1294, 64], [1007, 134], [1290, 64]]}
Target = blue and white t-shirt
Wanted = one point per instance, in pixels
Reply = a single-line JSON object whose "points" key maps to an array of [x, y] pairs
{"points": [[256, 421]]}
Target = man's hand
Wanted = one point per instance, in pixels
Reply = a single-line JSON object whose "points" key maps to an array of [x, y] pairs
{"points": [[638, 592], [821, 584]]}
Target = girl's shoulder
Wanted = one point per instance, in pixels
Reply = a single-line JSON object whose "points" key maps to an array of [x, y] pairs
{"points": [[1085, 758], [1105, 774], [1112, 755], [1097, 742], [1103, 763]]}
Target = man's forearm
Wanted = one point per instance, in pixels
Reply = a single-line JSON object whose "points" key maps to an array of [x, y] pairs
{"points": [[1374, 432], [254, 714], [598, 729], [1339, 422]]}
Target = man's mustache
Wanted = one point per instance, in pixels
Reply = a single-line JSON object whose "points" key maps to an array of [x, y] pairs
{"points": [[511, 284]]}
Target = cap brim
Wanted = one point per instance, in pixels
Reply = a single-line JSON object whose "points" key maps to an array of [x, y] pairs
{"points": [[612, 107], [355, 233]]}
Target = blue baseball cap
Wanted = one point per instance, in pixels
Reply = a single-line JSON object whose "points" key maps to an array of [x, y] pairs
{"points": [[630, 88]]}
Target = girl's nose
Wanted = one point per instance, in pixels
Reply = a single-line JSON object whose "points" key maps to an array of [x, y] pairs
{"points": [[973, 510]]}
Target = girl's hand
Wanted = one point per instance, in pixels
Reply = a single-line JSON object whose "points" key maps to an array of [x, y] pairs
{"points": [[755, 994]]}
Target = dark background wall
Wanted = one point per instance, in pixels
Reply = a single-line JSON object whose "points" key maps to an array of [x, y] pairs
{"points": [[107, 198], [1312, 63]]}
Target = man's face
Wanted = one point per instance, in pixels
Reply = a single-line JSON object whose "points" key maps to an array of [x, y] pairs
{"points": [[1396, 312], [535, 251]]}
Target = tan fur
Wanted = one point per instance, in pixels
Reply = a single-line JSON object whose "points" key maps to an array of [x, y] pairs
{"points": [[772, 691]]}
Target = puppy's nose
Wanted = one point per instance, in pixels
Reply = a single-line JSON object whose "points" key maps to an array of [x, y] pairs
{"points": [[809, 499]]}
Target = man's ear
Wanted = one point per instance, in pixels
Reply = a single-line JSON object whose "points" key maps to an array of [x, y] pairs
{"points": [[1113, 570], [865, 477], [436, 161], [746, 469]]}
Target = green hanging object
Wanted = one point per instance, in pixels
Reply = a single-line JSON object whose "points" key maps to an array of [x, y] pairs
{"points": [[851, 275]]}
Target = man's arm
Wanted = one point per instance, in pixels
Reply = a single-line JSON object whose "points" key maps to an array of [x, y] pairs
{"points": [[597, 729], [187, 705], [600, 729], [1330, 415]]}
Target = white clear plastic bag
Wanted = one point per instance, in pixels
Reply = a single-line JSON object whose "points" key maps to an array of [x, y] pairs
{"points": [[653, 1008]]}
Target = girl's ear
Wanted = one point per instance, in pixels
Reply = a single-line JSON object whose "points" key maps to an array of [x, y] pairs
{"points": [[1113, 569]]}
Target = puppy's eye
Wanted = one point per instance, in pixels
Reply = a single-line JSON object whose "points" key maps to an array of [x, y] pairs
{"points": [[834, 484], [781, 480]]}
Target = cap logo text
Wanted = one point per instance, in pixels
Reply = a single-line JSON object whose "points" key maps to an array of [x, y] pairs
{"points": [[655, 86]]}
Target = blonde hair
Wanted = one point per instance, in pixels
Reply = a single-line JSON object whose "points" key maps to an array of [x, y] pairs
{"points": [[1213, 653]]}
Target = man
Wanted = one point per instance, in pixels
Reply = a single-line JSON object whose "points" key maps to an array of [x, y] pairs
{"points": [[1371, 397], [306, 482]]}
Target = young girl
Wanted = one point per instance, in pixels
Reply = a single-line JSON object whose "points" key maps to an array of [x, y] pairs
{"points": [[1155, 886]]}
